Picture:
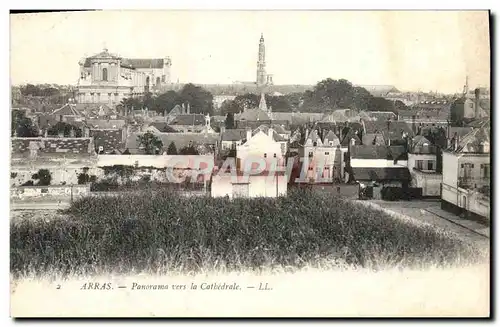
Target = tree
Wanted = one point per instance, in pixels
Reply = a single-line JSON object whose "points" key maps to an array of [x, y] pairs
{"points": [[230, 106], [172, 149], [199, 99], [279, 103], [188, 150], [229, 122], [150, 143], [43, 176], [21, 125], [335, 94], [381, 104], [247, 100], [166, 101]]}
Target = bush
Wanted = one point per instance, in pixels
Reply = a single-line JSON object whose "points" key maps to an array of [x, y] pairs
{"points": [[44, 177], [162, 232], [391, 193]]}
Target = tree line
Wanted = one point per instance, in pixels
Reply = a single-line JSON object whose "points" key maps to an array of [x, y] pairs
{"points": [[326, 95], [200, 100]]}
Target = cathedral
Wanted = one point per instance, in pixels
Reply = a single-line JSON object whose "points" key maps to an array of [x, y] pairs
{"points": [[107, 78]]}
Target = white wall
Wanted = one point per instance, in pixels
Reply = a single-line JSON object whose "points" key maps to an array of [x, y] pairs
{"points": [[157, 161], [373, 163], [469, 200], [259, 186], [430, 183], [412, 158], [450, 169]]}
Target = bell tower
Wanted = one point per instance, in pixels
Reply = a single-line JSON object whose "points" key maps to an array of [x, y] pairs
{"points": [[261, 63]]}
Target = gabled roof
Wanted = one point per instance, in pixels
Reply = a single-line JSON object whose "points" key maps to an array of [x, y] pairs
{"points": [[331, 137], [188, 119], [379, 152], [421, 140], [126, 62], [252, 115], [474, 141], [396, 128], [144, 63], [52, 146], [67, 110], [351, 134], [105, 123], [265, 129], [381, 174], [370, 152], [312, 138], [163, 127], [176, 110], [234, 135]]}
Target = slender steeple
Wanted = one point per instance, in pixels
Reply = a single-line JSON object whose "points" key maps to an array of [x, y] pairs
{"points": [[262, 104], [261, 63]]}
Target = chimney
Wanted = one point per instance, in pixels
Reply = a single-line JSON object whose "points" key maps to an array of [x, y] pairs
{"points": [[307, 133], [45, 133], [457, 141], [223, 129], [270, 132], [188, 109], [249, 133], [476, 103], [183, 111]]}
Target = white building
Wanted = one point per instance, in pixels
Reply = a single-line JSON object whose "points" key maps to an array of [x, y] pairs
{"points": [[108, 78], [422, 163], [467, 173]]}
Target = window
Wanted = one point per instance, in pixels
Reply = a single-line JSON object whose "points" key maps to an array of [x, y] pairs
{"points": [[331, 143], [485, 170], [163, 78], [327, 153], [274, 155], [467, 170], [315, 143], [109, 95], [310, 154], [104, 74], [419, 164], [45, 190], [430, 165], [265, 155]]}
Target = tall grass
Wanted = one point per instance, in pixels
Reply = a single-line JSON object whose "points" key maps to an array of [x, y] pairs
{"points": [[160, 232]]}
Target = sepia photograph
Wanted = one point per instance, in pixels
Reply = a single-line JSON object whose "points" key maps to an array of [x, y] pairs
{"points": [[250, 163]]}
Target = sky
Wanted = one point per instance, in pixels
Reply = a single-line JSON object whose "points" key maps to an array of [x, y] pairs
{"points": [[412, 50]]}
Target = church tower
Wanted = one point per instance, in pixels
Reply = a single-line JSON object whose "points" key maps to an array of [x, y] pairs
{"points": [[261, 64]]}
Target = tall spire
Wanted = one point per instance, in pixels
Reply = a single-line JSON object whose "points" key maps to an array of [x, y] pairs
{"points": [[261, 63], [262, 104]]}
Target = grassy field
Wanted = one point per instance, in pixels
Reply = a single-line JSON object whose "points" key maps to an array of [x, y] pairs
{"points": [[161, 233]]}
